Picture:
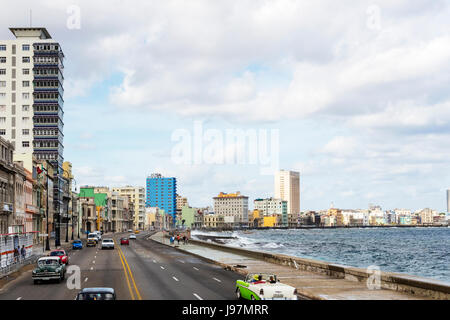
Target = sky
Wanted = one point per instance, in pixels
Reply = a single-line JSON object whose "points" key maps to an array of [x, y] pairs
{"points": [[352, 94]]}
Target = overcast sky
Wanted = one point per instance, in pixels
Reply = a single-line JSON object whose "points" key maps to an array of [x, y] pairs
{"points": [[358, 92]]}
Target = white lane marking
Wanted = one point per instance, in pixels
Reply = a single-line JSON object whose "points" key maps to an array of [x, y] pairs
{"points": [[92, 268], [95, 257], [19, 298], [195, 268], [175, 279], [181, 261], [162, 267], [217, 280], [154, 261], [93, 262], [197, 296], [85, 280]]}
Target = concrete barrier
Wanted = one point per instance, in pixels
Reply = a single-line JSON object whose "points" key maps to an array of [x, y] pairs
{"points": [[414, 285]]}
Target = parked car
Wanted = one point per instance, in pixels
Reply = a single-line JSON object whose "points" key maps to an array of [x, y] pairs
{"points": [[263, 286], [130, 230], [132, 236], [61, 254], [91, 242], [124, 241], [77, 244], [97, 294], [49, 268], [107, 244]]}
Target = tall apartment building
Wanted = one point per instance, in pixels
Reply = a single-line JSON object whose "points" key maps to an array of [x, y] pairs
{"points": [[448, 200], [137, 202], [161, 192], [287, 187], [31, 98], [233, 207]]}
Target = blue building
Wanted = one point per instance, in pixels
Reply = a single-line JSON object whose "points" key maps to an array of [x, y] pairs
{"points": [[161, 192]]}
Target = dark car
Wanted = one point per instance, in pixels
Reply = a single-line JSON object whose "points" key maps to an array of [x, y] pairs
{"points": [[97, 294], [124, 241]]}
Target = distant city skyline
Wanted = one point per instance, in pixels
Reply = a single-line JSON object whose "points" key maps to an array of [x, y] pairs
{"points": [[362, 109]]}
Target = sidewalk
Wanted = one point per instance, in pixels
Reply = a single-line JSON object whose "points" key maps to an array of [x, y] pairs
{"points": [[311, 285]]}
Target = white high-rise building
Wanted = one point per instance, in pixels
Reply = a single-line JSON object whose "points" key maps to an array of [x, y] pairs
{"points": [[287, 187], [448, 200], [31, 99]]}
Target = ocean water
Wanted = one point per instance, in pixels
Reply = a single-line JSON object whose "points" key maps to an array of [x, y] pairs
{"points": [[417, 251]]}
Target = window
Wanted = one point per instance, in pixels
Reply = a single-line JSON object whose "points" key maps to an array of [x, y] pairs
{"points": [[25, 144], [25, 119], [25, 84], [26, 47], [25, 96], [2, 47], [25, 132], [2, 132], [2, 95], [2, 71], [25, 59], [2, 59], [25, 71], [3, 84], [25, 107], [2, 108], [2, 119]]}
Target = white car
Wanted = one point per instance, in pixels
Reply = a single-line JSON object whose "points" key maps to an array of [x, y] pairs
{"points": [[132, 236], [264, 286], [107, 244]]}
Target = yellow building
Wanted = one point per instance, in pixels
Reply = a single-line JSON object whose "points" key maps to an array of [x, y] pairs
{"points": [[270, 221]]}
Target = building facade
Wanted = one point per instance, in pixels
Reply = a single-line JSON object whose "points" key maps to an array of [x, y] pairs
{"points": [[233, 207], [287, 187], [272, 206], [136, 202], [161, 192]]}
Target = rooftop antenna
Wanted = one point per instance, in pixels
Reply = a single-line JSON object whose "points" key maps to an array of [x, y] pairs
{"points": [[31, 18]]}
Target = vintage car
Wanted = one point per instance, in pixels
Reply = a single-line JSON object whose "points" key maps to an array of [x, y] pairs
{"points": [[61, 254], [91, 242], [132, 236], [96, 294], [137, 231], [124, 241], [49, 268], [264, 286], [77, 244]]}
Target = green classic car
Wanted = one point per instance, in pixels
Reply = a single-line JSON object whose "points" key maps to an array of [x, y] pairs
{"points": [[49, 268], [264, 286]]}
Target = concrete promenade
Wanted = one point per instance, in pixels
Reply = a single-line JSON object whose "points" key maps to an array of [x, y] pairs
{"points": [[312, 285]]}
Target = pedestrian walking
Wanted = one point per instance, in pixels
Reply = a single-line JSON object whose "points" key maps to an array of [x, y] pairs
{"points": [[172, 239], [178, 238], [16, 254], [184, 239], [23, 252]]}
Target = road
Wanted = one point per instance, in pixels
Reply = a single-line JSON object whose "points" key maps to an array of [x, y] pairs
{"points": [[144, 270]]}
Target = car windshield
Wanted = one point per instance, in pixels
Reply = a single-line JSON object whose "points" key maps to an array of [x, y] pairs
{"points": [[77, 241], [48, 262], [107, 240], [95, 296], [57, 253]]}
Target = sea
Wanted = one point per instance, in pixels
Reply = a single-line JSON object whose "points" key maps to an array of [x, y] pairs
{"points": [[421, 251]]}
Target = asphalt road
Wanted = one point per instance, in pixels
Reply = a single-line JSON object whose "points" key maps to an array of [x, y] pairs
{"points": [[144, 270]]}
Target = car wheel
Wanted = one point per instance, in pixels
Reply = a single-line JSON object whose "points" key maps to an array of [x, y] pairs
{"points": [[238, 294], [35, 281], [252, 297]]}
